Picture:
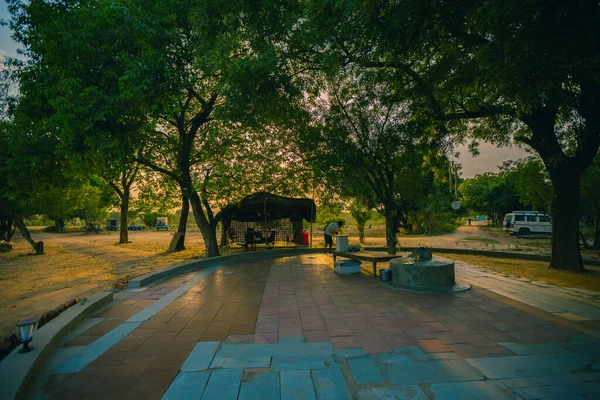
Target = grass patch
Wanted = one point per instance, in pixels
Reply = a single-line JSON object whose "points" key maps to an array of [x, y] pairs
{"points": [[482, 240], [535, 270]]}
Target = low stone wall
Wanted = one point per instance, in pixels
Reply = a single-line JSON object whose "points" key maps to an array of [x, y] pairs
{"points": [[17, 370]]}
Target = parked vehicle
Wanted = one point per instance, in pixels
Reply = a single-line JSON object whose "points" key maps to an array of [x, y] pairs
{"points": [[133, 227], [524, 223], [162, 223], [112, 224]]}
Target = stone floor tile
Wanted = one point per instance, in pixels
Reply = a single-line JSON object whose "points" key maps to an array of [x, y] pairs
{"points": [[375, 347], [365, 370], [335, 322], [495, 350], [530, 365], [414, 352], [291, 331], [242, 329], [159, 375], [342, 342], [549, 380], [412, 392], [359, 324], [432, 372], [240, 362], [223, 384], [260, 386], [201, 357], [538, 348], [524, 337], [339, 331], [330, 384], [214, 336], [299, 363], [393, 358], [313, 326], [433, 346], [497, 336], [266, 328], [292, 339], [290, 323], [465, 350], [471, 391], [187, 385], [81, 359], [82, 340], [262, 338], [316, 336], [240, 338], [587, 390], [297, 385], [478, 325], [398, 341], [267, 319], [171, 357], [350, 353], [443, 356]]}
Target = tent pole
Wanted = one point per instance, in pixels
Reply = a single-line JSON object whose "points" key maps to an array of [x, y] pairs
{"points": [[311, 214]]}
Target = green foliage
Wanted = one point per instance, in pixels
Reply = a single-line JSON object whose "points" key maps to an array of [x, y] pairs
{"points": [[489, 194], [530, 181], [518, 185], [590, 199], [93, 202], [361, 215]]}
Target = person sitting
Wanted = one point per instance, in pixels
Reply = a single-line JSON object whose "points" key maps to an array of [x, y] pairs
{"points": [[249, 239]]}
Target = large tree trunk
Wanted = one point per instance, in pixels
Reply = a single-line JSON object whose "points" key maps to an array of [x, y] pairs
{"points": [[391, 229], [123, 231], [59, 225], [596, 245], [208, 231], [6, 229], [223, 234], [182, 227], [38, 247], [566, 254]]}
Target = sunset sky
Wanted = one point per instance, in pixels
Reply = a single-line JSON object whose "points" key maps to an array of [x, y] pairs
{"points": [[489, 159]]}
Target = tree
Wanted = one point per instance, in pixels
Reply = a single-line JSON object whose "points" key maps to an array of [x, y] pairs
{"points": [[590, 189], [122, 188], [372, 148], [157, 196], [30, 169], [361, 215], [182, 66], [489, 194], [512, 69], [530, 181]]}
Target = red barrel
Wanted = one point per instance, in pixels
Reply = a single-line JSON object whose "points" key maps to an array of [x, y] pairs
{"points": [[305, 237]]}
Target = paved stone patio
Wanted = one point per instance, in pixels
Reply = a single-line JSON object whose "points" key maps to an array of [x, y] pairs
{"points": [[289, 328]]}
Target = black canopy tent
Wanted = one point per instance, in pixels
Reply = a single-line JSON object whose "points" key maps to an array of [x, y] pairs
{"points": [[266, 212]]}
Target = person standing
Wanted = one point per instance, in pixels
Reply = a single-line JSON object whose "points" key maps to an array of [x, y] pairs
{"points": [[330, 230]]}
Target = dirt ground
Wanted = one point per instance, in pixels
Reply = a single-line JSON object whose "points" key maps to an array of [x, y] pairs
{"points": [[77, 265]]}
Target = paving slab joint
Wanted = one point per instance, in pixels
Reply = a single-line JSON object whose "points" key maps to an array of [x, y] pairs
{"points": [[17, 371]]}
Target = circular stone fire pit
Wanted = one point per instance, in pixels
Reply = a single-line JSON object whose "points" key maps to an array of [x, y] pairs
{"points": [[421, 272]]}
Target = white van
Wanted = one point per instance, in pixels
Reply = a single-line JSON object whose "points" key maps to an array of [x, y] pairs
{"points": [[524, 223]]}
